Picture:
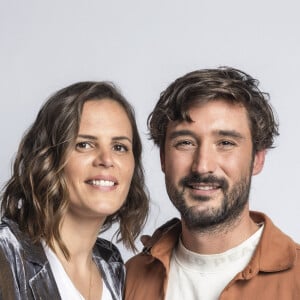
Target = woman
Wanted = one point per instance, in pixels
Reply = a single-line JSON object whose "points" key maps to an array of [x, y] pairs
{"points": [[77, 171]]}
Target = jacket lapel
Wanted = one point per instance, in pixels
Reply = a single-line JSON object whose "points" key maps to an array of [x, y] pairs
{"points": [[43, 285]]}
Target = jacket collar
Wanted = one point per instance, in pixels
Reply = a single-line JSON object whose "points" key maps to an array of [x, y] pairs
{"points": [[163, 241], [41, 280], [35, 252], [275, 251]]}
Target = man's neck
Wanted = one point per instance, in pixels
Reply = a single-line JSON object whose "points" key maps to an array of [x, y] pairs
{"points": [[221, 238]]}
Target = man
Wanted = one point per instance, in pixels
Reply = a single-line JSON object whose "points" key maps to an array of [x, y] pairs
{"points": [[213, 128]]}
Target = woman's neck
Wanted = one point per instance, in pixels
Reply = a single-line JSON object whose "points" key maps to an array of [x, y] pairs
{"points": [[79, 236]]}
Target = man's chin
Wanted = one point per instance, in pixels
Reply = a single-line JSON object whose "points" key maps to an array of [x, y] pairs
{"points": [[196, 217], [205, 207]]}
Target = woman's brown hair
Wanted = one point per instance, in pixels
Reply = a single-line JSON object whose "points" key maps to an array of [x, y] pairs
{"points": [[36, 196]]}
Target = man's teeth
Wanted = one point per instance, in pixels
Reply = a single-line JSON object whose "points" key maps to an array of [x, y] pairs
{"points": [[204, 187], [102, 182]]}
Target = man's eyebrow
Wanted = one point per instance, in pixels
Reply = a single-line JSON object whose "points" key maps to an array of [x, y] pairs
{"points": [[230, 133], [94, 138], [178, 133], [225, 133]]}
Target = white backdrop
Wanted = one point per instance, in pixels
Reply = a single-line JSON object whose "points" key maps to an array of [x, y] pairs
{"points": [[143, 46]]}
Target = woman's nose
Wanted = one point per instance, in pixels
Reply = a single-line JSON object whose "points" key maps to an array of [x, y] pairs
{"points": [[104, 158]]}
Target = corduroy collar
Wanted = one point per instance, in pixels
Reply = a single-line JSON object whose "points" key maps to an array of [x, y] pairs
{"points": [[275, 251]]}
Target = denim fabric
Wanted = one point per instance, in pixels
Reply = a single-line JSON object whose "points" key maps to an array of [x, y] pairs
{"points": [[25, 272]]}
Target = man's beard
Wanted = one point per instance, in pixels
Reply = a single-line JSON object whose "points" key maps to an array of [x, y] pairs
{"points": [[231, 206]]}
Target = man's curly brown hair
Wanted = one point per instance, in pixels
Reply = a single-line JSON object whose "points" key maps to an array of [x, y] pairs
{"points": [[206, 85]]}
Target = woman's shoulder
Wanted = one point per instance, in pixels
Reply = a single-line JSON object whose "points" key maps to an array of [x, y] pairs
{"points": [[109, 260], [10, 248], [7, 236], [107, 250]]}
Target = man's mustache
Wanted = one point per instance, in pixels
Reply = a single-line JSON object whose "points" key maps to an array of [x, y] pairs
{"points": [[198, 178]]}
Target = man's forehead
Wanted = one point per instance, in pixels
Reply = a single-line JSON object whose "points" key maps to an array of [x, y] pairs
{"points": [[220, 113]]}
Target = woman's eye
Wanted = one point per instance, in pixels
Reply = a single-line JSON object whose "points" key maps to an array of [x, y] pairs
{"points": [[83, 145], [120, 148]]}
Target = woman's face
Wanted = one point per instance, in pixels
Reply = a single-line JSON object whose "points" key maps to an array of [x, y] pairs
{"points": [[100, 167]]}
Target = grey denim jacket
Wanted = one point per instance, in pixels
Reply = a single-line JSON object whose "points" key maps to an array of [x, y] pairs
{"points": [[25, 272]]}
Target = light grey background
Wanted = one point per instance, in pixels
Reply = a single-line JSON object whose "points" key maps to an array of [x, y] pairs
{"points": [[143, 46]]}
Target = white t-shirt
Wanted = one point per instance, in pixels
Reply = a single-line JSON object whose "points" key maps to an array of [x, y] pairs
{"points": [[66, 288], [195, 276]]}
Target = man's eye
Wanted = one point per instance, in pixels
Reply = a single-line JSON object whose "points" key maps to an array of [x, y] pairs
{"points": [[226, 144], [184, 144], [120, 148]]}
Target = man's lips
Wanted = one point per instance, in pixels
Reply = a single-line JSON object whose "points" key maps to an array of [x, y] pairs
{"points": [[204, 186], [196, 181]]}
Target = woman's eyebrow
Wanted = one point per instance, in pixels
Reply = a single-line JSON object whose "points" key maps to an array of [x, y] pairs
{"points": [[122, 137], [87, 136], [115, 138]]}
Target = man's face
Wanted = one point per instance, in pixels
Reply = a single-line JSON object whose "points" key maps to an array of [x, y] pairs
{"points": [[208, 164]]}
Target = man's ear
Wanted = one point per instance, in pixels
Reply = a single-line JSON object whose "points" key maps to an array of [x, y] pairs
{"points": [[162, 159], [259, 160]]}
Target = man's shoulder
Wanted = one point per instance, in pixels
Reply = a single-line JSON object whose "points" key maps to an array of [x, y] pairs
{"points": [[160, 243], [172, 226], [145, 271], [277, 251]]}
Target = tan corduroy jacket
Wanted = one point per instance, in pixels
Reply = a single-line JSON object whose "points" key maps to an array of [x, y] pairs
{"points": [[273, 273]]}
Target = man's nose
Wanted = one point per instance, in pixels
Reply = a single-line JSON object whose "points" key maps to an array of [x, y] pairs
{"points": [[204, 160]]}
